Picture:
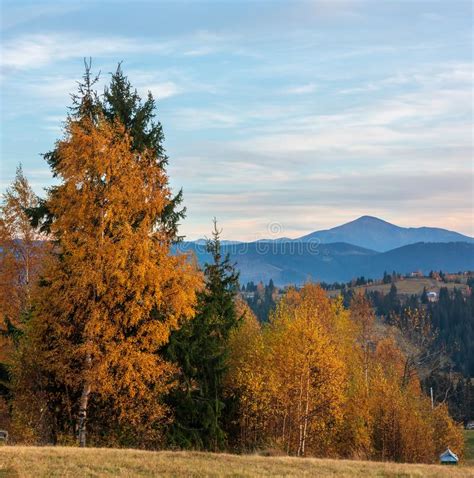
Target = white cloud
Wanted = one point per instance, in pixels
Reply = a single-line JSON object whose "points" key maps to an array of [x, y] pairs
{"points": [[405, 156], [301, 89], [20, 14], [52, 87], [162, 90], [305, 204], [429, 118], [55, 90], [38, 50], [34, 51], [204, 43], [438, 75], [266, 156], [201, 51]]}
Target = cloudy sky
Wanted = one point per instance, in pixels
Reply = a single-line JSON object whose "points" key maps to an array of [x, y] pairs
{"points": [[281, 117]]}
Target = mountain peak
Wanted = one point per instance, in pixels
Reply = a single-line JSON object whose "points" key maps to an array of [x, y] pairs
{"points": [[370, 220], [374, 233]]}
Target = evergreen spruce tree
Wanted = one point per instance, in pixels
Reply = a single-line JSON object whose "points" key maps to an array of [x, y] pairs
{"points": [[200, 349], [122, 102]]}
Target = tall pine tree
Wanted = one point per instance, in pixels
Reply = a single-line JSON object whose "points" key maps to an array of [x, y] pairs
{"points": [[200, 349], [122, 102]]}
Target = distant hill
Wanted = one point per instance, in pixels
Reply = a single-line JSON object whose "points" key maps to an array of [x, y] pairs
{"points": [[296, 262], [373, 233]]}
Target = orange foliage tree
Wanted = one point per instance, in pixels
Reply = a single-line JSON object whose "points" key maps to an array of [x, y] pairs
{"points": [[112, 292], [404, 427], [246, 379], [292, 391]]}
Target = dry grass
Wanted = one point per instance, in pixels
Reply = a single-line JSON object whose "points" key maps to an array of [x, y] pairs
{"points": [[93, 462]]}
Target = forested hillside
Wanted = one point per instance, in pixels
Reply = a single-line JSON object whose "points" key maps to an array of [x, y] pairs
{"points": [[442, 354]]}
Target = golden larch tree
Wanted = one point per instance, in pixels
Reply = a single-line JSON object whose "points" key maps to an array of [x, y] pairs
{"points": [[113, 292]]}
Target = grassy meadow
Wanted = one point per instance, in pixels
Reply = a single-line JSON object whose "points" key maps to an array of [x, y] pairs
{"points": [[42, 462], [469, 447], [407, 286]]}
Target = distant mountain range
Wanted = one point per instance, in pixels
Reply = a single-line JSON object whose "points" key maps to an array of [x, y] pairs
{"points": [[366, 247], [299, 262]]}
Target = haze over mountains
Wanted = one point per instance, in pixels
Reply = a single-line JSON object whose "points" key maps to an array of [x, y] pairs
{"points": [[367, 246]]}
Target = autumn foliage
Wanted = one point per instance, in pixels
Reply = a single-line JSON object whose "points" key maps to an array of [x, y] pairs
{"points": [[21, 252], [314, 381]]}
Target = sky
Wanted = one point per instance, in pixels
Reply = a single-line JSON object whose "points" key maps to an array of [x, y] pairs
{"points": [[280, 117]]}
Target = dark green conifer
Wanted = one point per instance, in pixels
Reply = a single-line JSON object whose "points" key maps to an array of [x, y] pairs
{"points": [[200, 349]]}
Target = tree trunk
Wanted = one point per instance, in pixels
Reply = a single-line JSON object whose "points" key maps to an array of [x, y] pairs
{"points": [[86, 390], [306, 417], [300, 416], [83, 402], [366, 366], [284, 427]]}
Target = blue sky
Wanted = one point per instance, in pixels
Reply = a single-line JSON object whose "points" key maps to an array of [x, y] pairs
{"points": [[281, 117]]}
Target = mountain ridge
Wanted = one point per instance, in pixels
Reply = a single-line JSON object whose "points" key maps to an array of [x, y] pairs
{"points": [[380, 235], [366, 246]]}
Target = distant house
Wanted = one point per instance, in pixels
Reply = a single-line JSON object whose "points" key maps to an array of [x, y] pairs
{"points": [[470, 425], [451, 277], [432, 296], [448, 458], [416, 274]]}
